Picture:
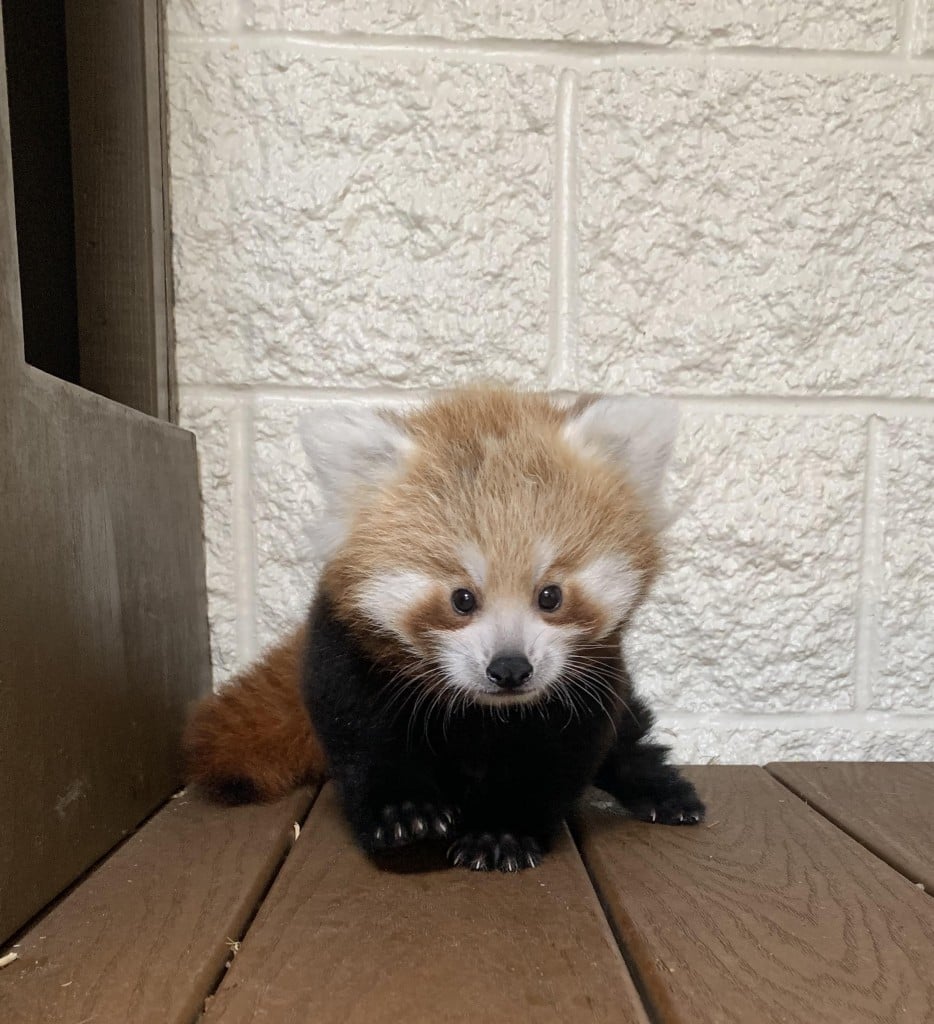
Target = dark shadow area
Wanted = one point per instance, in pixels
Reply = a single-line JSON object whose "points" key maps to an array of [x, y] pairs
{"points": [[37, 83], [419, 859]]}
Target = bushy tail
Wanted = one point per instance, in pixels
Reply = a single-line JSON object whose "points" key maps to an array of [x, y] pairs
{"points": [[253, 740]]}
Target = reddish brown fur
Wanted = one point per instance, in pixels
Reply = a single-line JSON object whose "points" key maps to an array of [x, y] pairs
{"points": [[253, 739], [489, 467], [492, 468]]}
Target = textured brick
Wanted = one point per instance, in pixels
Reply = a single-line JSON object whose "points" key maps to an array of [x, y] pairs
{"points": [[906, 617], [756, 609], [756, 232], [339, 223], [925, 28], [210, 421], [286, 500], [200, 15], [830, 24], [704, 740]]}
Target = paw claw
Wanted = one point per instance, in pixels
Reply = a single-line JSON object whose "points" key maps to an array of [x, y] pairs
{"points": [[409, 822], [488, 852], [681, 809]]}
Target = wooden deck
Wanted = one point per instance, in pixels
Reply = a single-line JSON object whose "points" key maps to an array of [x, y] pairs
{"points": [[803, 898]]}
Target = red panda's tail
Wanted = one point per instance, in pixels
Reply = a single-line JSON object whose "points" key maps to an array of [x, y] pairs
{"points": [[253, 741]]}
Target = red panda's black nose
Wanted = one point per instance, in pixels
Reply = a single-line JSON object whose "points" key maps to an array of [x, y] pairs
{"points": [[509, 671]]}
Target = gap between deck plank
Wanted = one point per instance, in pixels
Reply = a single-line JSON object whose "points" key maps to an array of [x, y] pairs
{"points": [[886, 806], [339, 940], [765, 912], [144, 938]]}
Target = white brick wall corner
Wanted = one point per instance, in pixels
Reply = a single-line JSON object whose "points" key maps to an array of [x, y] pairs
{"points": [[729, 203]]}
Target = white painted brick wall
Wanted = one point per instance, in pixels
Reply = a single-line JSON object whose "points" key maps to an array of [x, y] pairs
{"points": [[923, 41], [728, 201], [826, 24]]}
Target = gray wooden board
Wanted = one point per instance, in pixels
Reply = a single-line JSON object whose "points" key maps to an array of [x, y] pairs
{"points": [[104, 641], [144, 938]]}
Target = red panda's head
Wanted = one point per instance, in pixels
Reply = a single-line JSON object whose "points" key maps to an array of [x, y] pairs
{"points": [[489, 543]]}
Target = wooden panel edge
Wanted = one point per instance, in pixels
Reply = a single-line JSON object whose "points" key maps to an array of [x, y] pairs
{"points": [[11, 314], [682, 943], [879, 845]]}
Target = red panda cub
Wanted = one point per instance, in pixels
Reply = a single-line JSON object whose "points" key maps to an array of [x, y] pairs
{"points": [[461, 664]]}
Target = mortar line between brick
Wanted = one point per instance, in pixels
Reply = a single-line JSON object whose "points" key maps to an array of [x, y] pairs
{"points": [[241, 468], [870, 572], [767, 405], [849, 719], [562, 362], [806, 405], [581, 56]]}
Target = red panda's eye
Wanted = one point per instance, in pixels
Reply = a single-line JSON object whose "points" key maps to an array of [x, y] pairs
{"points": [[463, 601], [549, 598]]}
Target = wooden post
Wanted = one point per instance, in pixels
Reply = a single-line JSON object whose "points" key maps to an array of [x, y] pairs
{"points": [[103, 623]]}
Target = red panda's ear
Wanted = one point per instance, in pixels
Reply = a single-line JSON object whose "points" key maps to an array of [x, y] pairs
{"points": [[635, 434], [352, 449]]}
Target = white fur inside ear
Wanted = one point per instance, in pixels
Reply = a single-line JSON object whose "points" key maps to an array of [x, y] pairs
{"points": [[636, 434], [351, 448]]}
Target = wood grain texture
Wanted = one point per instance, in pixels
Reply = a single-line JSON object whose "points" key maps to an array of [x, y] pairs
{"points": [[144, 938], [338, 940], [888, 807], [104, 642], [104, 639], [114, 84], [765, 913]]}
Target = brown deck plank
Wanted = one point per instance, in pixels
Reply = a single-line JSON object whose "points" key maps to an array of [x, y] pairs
{"points": [[767, 912], [338, 940], [144, 938], [888, 807]]}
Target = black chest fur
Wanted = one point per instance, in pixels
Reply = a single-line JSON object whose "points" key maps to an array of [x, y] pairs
{"points": [[409, 762]]}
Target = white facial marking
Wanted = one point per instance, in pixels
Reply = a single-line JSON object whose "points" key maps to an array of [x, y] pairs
{"points": [[503, 628], [612, 584], [387, 598], [545, 552], [474, 562]]}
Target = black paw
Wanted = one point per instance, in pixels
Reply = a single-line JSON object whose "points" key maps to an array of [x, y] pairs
{"points": [[408, 822], [487, 851], [683, 809]]}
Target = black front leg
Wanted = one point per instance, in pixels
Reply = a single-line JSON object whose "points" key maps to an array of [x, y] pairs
{"points": [[389, 790], [512, 818], [509, 826], [636, 773], [390, 803]]}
